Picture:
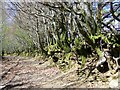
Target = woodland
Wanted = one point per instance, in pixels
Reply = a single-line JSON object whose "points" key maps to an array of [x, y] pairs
{"points": [[79, 39]]}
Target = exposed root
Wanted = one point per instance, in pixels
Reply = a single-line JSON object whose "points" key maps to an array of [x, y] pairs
{"points": [[9, 86], [60, 76]]}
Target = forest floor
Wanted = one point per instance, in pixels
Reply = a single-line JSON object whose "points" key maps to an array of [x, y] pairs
{"points": [[26, 72]]}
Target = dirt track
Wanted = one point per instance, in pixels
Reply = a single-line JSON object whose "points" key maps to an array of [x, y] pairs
{"points": [[20, 72]]}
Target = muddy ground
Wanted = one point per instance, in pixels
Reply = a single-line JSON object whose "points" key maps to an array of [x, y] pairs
{"points": [[27, 72]]}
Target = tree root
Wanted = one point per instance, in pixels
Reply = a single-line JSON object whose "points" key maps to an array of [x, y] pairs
{"points": [[6, 72], [60, 76], [9, 86]]}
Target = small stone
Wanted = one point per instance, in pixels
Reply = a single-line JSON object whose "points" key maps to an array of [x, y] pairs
{"points": [[1, 87], [113, 83], [101, 61]]}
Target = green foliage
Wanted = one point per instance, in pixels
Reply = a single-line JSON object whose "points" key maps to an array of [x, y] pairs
{"points": [[8, 42], [64, 31], [65, 62]]}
